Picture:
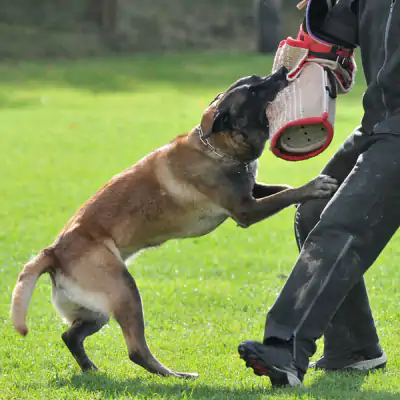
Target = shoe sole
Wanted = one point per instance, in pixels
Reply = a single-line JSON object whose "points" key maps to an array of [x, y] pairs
{"points": [[278, 376], [366, 365]]}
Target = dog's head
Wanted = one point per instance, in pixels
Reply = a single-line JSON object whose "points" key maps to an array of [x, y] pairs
{"points": [[237, 119]]}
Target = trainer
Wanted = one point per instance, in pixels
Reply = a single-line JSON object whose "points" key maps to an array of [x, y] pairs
{"points": [[339, 240]]}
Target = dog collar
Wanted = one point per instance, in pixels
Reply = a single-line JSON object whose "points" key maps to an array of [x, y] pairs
{"points": [[207, 143]]}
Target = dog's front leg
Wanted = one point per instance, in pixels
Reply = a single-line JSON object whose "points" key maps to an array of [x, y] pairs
{"points": [[261, 190], [251, 210]]}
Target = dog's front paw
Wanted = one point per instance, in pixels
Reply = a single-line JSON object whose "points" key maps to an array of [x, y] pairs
{"points": [[323, 186]]}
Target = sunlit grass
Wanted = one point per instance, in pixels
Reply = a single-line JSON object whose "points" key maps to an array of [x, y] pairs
{"points": [[65, 129]]}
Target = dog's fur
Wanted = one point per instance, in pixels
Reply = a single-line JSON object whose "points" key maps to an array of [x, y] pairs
{"points": [[184, 189]]}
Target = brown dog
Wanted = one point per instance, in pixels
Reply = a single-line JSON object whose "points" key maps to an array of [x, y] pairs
{"points": [[184, 189]]}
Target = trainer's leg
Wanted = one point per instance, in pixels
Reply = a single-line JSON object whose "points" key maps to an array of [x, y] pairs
{"points": [[339, 167], [351, 335], [351, 340], [354, 228]]}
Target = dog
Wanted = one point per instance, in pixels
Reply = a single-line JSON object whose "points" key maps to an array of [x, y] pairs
{"points": [[186, 188]]}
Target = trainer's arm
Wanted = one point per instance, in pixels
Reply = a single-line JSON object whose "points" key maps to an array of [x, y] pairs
{"points": [[335, 22]]}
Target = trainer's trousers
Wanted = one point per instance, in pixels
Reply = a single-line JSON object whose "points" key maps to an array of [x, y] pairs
{"points": [[325, 291]]}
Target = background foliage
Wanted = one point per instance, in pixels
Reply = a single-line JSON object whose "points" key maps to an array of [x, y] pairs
{"points": [[74, 28]]}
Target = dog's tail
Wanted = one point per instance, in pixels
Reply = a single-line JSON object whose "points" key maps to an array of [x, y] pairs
{"points": [[24, 288]]}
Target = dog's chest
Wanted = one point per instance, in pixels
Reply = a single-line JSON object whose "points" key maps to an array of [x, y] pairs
{"points": [[202, 221]]}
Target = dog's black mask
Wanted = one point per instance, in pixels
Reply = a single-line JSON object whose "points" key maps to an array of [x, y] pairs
{"points": [[241, 109]]}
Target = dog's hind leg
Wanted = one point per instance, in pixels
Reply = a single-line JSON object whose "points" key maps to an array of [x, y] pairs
{"points": [[77, 333], [129, 314], [83, 321], [100, 284]]}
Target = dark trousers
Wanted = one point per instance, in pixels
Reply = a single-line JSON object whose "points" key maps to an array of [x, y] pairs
{"points": [[339, 240]]}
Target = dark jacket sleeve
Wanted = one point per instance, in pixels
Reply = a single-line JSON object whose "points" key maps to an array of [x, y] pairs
{"points": [[338, 25]]}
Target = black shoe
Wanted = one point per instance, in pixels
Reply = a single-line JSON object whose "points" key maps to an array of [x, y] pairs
{"points": [[356, 362], [276, 362]]}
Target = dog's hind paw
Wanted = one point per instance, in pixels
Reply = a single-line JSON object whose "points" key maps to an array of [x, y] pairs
{"points": [[186, 375]]}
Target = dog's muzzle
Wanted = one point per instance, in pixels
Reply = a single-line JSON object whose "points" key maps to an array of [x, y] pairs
{"points": [[301, 118]]}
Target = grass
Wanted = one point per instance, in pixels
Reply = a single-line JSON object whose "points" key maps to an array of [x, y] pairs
{"points": [[65, 129]]}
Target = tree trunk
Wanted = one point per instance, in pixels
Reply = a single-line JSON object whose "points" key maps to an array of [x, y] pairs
{"points": [[268, 16], [110, 9], [104, 14]]}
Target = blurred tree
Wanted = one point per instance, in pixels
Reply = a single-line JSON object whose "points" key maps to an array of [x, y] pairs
{"points": [[268, 17], [103, 13], [44, 28]]}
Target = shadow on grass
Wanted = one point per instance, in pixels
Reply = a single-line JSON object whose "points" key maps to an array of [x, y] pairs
{"points": [[346, 386], [156, 386], [335, 386], [127, 74]]}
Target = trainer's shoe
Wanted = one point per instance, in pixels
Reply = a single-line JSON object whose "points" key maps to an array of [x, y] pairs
{"points": [[357, 362], [276, 362]]}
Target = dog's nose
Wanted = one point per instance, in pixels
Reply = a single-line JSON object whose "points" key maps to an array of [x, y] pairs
{"points": [[283, 83], [266, 81], [263, 80], [282, 72]]}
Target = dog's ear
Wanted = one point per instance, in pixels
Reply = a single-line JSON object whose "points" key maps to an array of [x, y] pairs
{"points": [[221, 122]]}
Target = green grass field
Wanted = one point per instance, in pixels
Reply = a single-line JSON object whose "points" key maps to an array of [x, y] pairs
{"points": [[66, 128]]}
